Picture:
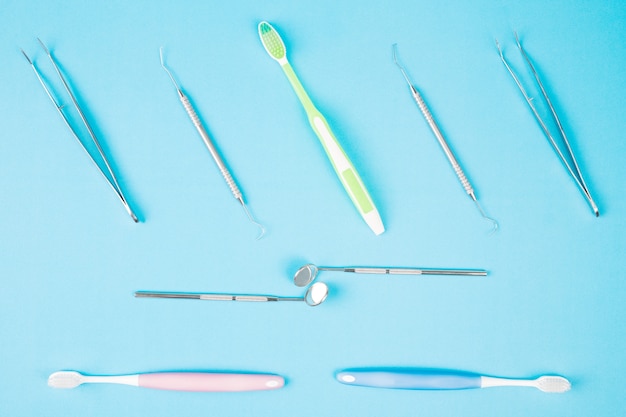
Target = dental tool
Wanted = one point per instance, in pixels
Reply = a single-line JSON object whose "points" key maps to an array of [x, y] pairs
{"points": [[443, 379], [307, 273], [442, 141], [109, 175], [573, 169], [175, 381], [195, 119], [349, 177], [314, 295]]}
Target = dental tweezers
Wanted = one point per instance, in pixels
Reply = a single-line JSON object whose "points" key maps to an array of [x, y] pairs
{"points": [[111, 179], [572, 168]]}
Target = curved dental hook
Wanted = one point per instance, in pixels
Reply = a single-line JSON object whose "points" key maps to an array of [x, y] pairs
{"points": [[482, 213], [395, 59], [259, 225], [168, 71]]}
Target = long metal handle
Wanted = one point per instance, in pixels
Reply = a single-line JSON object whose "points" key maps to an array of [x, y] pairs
{"points": [[150, 294], [442, 142], [406, 271], [444, 145], [195, 119], [215, 297]]}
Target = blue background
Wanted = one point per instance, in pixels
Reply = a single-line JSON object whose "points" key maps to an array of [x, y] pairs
{"points": [[71, 258]]}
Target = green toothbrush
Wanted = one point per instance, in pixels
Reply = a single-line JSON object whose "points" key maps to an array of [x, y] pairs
{"points": [[346, 172]]}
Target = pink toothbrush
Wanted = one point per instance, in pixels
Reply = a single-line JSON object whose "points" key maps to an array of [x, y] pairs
{"points": [[175, 381]]}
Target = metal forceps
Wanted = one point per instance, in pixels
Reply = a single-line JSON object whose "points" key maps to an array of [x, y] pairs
{"points": [[109, 175], [572, 168]]}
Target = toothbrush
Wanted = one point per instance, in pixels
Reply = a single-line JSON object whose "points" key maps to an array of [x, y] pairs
{"points": [[350, 179], [442, 379], [175, 381]]}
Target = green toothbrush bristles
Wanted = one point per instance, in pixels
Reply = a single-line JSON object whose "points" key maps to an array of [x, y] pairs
{"points": [[271, 40]]}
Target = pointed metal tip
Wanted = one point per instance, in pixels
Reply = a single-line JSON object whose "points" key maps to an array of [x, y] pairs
{"points": [[494, 222], [26, 56], [595, 209], [45, 48], [496, 226], [519, 45], [394, 49], [261, 228], [180, 93], [499, 48], [404, 74]]}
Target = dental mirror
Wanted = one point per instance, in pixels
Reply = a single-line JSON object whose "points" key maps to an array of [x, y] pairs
{"points": [[314, 295], [307, 273]]}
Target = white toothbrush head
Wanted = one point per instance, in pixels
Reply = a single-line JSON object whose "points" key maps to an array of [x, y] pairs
{"points": [[272, 42], [65, 379], [550, 383]]}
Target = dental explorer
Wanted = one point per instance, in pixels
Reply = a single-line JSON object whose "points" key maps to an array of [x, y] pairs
{"points": [[573, 169], [442, 142], [110, 178], [191, 112]]}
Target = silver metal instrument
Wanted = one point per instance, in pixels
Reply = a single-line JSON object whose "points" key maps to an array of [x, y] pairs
{"points": [[572, 168], [442, 142], [307, 273], [195, 119], [314, 295], [109, 175]]}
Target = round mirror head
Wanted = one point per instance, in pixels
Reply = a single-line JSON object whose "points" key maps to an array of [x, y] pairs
{"points": [[316, 294], [305, 275]]}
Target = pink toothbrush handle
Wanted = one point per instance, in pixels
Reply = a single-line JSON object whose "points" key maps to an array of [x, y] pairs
{"points": [[210, 382]]}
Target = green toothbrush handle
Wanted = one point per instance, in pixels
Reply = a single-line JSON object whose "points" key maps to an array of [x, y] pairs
{"points": [[346, 172]]}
